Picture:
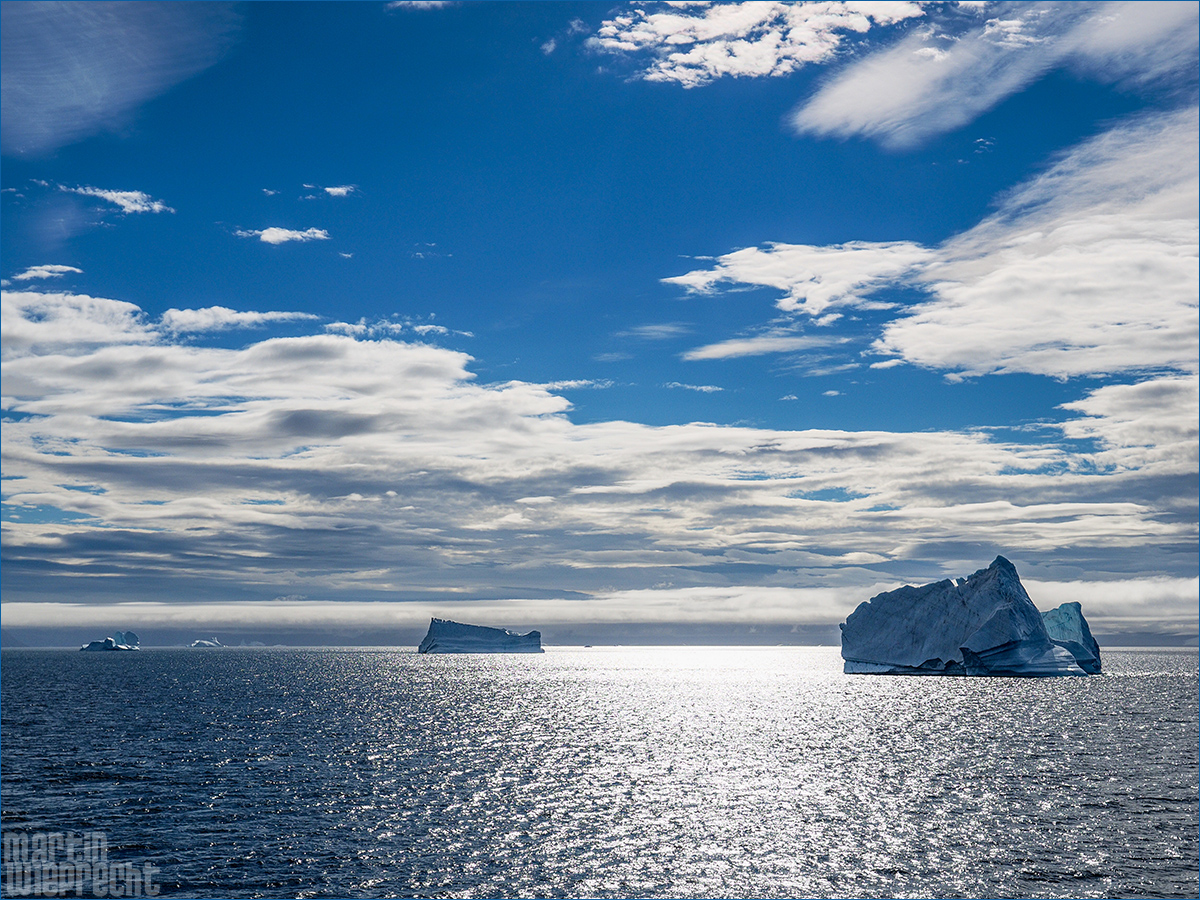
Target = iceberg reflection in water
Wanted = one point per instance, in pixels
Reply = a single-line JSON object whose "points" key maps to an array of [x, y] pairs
{"points": [[660, 772]]}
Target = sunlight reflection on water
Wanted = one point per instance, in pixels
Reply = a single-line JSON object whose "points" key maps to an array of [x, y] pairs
{"points": [[609, 772]]}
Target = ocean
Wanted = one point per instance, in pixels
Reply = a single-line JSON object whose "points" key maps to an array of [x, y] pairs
{"points": [[597, 772]]}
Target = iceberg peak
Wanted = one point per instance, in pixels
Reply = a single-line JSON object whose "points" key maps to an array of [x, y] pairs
{"points": [[984, 624]]}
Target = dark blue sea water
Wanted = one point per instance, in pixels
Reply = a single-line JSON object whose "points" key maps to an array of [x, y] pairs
{"points": [[656, 772]]}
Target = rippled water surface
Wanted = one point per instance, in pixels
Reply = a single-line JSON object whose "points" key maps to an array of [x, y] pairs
{"points": [[703, 772]]}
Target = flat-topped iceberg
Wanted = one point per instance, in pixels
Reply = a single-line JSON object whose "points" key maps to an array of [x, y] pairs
{"points": [[445, 636], [121, 640], [1067, 628], [984, 624]]}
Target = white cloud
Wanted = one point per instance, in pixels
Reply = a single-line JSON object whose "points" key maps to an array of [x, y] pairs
{"points": [[658, 332], [1166, 604], [129, 201], [1152, 422], [275, 235], [362, 328], [420, 4], [55, 324], [757, 346], [220, 318], [700, 388], [70, 70], [693, 44], [945, 76], [391, 328], [1127, 605], [576, 384], [49, 271], [344, 190], [349, 469], [1090, 268], [814, 278], [1087, 269]]}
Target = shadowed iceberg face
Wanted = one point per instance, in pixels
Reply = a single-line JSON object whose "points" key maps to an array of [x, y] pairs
{"points": [[445, 636], [1067, 628], [982, 625]]}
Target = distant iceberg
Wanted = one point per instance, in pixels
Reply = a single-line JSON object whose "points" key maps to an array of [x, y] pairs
{"points": [[982, 625], [201, 642], [445, 636], [121, 640]]}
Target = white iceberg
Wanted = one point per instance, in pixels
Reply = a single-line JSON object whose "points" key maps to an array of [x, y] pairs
{"points": [[201, 642], [121, 640], [1067, 628], [445, 636], [982, 625]]}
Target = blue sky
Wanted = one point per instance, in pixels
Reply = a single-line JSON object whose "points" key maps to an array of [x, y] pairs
{"points": [[542, 313]]}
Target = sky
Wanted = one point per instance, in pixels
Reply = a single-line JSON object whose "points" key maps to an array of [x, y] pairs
{"points": [[335, 316]]}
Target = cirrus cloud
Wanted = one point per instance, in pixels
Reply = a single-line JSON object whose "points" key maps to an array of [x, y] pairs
{"points": [[942, 77], [74, 69]]}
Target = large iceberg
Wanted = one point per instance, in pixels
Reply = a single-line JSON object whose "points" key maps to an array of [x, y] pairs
{"points": [[445, 636], [1067, 628], [981, 625], [121, 640]]}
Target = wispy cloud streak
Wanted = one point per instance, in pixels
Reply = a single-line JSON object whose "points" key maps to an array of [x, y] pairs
{"points": [[72, 69], [1088, 269], [942, 77], [128, 201]]}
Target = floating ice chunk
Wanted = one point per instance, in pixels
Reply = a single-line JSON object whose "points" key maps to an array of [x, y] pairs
{"points": [[121, 640], [983, 625], [445, 636]]}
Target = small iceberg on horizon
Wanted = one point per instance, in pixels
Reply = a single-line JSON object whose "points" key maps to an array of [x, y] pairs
{"points": [[445, 636], [984, 624], [121, 640], [201, 642]]}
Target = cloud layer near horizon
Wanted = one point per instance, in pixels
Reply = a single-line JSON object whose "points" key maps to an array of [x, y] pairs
{"points": [[1151, 605], [342, 469]]}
